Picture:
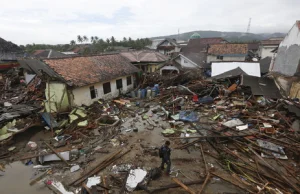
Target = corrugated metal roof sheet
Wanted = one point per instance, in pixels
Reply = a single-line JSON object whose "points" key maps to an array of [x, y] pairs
{"points": [[249, 68], [144, 56], [261, 86]]}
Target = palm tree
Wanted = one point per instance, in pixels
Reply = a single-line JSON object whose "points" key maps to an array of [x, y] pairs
{"points": [[113, 40], [92, 39], [96, 38], [124, 39], [79, 39], [72, 42], [107, 41], [85, 38]]}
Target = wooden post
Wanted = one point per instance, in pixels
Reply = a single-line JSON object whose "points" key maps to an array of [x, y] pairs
{"points": [[205, 182], [104, 183], [183, 186], [56, 153], [86, 188]]}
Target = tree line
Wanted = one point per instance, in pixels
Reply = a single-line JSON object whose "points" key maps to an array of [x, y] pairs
{"points": [[92, 44]]}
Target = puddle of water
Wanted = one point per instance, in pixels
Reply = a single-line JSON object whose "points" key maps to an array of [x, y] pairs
{"points": [[16, 179]]}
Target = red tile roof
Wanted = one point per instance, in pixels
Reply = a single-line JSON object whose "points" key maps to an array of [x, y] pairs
{"points": [[144, 56], [80, 71], [219, 49]]}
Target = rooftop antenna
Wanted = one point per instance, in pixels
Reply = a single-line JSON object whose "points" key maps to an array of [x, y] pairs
{"points": [[178, 35], [248, 28]]}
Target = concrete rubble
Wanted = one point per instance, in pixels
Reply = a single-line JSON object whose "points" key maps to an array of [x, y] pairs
{"points": [[224, 139]]}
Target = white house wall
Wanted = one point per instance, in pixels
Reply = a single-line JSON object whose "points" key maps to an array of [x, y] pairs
{"points": [[288, 55], [82, 95], [212, 58], [266, 51], [185, 63]]}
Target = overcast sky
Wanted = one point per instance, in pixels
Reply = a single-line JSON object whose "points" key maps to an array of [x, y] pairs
{"points": [[59, 21]]}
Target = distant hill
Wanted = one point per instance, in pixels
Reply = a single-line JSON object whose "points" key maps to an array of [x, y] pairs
{"points": [[7, 46], [229, 36]]}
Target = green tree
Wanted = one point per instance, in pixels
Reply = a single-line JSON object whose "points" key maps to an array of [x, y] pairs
{"points": [[107, 41], [72, 42], [113, 41], [85, 38], [79, 39], [92, 39]]}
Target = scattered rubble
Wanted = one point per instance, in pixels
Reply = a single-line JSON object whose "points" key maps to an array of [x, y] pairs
{"points": [[220, 132]]}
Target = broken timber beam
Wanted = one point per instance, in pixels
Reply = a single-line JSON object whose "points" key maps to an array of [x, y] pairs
{"points": [[229, 181], [183, 185], [205, 182], [100, 166], [204, 137], [56, 153]]}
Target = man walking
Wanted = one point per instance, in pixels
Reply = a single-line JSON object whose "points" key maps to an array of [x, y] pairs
{"points": [[164, 154]]}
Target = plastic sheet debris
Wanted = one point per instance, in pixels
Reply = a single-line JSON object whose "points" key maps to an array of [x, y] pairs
{"points": [[82, 124], [7, 104], [11, 148], [53, 157], [121, 168], [188, 116], [92, 181], [206, 100], [168, 131], [59, 186], [242, 127], [75, 168], [41, 167], [274, 147], [233, 123], [135, 177], [50, 121]]}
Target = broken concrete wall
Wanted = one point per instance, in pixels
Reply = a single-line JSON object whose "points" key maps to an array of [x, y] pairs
{"points": [[82, 95], [58, 95], [288, 56]]}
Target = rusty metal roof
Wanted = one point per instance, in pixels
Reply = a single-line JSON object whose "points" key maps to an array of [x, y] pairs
{"points": [[80, 71]]}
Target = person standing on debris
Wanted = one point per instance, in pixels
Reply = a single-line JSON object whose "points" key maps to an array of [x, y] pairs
{"points": [[164, 154]]}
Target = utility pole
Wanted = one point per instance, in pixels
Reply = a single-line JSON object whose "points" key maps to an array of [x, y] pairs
{"points": [[248, 28]]}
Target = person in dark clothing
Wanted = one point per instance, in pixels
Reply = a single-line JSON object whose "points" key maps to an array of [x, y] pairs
{"points": [[165, 156]]}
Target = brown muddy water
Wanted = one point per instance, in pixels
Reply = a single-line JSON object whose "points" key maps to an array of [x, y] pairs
{"points": [[16, 180]]}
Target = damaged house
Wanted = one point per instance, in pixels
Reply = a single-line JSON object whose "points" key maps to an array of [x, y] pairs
{"points": [[183, 62], [286, 67], [145, 60], [80, 81], [168, 47]]}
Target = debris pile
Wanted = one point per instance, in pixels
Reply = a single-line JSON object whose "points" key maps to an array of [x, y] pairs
{"points": [[220, 132]]}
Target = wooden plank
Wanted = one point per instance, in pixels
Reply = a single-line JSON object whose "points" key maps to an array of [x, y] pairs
{"points": [[183, 186], [205, 182], [170, 186], [56, 153]]}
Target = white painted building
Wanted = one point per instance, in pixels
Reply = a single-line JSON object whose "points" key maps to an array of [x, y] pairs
{"points": [[267, 47], [187, 62]]}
